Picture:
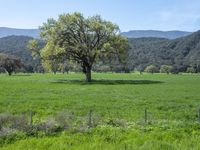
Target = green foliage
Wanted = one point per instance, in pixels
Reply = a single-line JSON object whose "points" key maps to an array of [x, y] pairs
{"points": [[51, 66], [33, 45], [82, 40], [166, 69], [9, 63], [151, 69], [191, 70]]}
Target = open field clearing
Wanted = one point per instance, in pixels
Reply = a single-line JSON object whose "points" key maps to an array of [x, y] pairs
{"points": [[108, 113]]}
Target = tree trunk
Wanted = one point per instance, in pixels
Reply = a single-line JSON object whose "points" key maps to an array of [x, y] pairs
{"points": [[9, 73], [87, 71], [88, 75]]}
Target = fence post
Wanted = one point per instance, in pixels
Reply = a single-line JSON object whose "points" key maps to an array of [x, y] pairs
{"points": [[199, 115], [145, 115], [31, 118], [24, 120], [90, 119]]}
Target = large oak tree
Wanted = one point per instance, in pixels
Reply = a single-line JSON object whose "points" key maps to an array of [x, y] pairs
{"points": [[84, 40]]}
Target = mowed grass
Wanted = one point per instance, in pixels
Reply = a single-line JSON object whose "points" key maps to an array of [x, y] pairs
{"points": [[172, 103]]}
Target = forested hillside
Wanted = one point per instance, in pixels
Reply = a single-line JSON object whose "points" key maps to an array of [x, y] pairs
{"points": [[181, 53], [17, 46]]}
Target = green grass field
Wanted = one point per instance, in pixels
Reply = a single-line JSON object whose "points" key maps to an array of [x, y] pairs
{"points": [[118, 103]]}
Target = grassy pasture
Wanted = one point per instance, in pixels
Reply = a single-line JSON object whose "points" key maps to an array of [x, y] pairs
{"points": [[172, 103]]}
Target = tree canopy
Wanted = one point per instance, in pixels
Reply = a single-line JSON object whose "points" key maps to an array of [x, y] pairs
{"points": [[152, 69], [9, 63], [166, 69], [83, 40]]}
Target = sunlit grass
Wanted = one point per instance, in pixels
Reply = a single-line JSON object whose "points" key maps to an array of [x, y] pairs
{"points": [[172, 102]]}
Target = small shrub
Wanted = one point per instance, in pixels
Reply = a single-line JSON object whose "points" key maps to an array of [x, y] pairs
{"points": [[5, 131], [116, 123], [13, 122], [50, 127], [151, 69], [191, 70], [65, 120], [166, 69]]}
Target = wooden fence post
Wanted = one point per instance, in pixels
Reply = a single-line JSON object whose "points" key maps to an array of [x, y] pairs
{"points": [[24, 120], [145, 115], [199, 115], [90, 119], [31, 118]]}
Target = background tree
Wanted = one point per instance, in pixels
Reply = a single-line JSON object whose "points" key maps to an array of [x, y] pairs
{"points": [[65, 67], [151, 69], [9, 63], [140, 68], [51, 65], [166, 69], [83, 40], [35, 46], [191, 69]]}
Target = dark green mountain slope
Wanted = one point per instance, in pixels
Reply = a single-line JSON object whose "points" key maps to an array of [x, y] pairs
{"points": [[181, 53], [17, 46]]}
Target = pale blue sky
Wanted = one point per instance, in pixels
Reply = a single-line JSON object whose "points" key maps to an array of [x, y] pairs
{"points": [[128, 14]]}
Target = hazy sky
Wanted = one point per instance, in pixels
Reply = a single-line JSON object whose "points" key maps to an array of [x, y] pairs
{"points": [[128, 14]]}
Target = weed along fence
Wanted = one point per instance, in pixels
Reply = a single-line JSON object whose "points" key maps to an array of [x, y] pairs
{"points": [[199, 116], [66, 121], [148, 119]]}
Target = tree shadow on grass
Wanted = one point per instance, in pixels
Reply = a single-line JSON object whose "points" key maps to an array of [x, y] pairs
{"points": [[21, 75], [106, 82]]}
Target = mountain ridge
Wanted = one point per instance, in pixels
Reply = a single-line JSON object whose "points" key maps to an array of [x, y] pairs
{"points": [[173, 34], [6, 31]]}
